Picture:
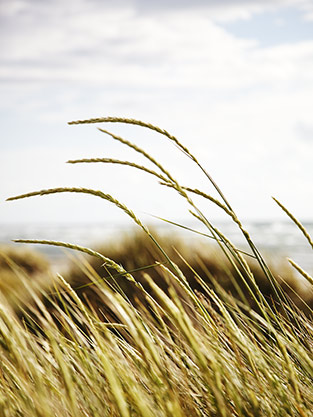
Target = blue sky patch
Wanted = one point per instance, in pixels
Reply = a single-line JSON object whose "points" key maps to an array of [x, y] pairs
{"points": [[273, 28]]}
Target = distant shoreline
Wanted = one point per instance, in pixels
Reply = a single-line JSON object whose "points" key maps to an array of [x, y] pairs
{"points": [[276, 240]]}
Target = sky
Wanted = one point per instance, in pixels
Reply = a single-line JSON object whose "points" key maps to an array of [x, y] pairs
{"points": [[232, 79]]}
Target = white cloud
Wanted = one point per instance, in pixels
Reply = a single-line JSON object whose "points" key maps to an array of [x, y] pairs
{"points": [[123, 49], [119, 47], [234, 103]]}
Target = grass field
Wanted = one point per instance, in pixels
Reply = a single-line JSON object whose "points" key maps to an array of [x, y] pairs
{"points": [[162, 336]]}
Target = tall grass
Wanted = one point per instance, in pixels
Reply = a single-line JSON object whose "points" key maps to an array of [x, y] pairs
{"points": [[180, 353]]}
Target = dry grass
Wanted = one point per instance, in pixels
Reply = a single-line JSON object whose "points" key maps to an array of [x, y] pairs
{"points": [[191, 336]]}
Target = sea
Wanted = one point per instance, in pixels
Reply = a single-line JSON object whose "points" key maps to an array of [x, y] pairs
{"points": [[276, 240]]}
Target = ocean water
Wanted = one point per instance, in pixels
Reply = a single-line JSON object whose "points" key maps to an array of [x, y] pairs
{"points": [[275, 240]]}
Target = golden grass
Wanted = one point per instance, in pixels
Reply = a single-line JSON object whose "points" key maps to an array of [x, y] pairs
{"points": [[177, 338]]}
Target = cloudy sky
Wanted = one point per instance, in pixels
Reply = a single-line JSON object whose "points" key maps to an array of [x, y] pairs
{"points": [[232, 79]]}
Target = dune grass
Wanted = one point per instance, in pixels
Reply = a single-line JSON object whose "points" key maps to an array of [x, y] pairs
{"points": [[180, 351]]}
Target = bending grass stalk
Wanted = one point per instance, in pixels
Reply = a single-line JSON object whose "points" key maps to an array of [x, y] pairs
{"points": [[107, 261], [197, 302], [139, 150], [290, 369], [115, 384], [277, 290], [133, 122], [197, 232], [237, 221], [261, 302], [257, 254], [162, 132], [241, 261], [266, 270], [182, 321], [301, 271], [202, 194], [304, 232], [176, 185], [193, 158], [205, 286], [297, 296], [127, 211], [65, 373], [106, 197], [97, 193], [79, 302], [146, 155], [263, 265], [147, 348], [130, 271], [219, 204], [165, 182], [205, 359], [107, 160], [117, 161], [296, 221], [131, 214]]}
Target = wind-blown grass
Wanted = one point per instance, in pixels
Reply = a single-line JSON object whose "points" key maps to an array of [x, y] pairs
{"points": [[174, 351]]}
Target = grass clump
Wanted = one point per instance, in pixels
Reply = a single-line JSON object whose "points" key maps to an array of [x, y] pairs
{"points": [[17, 267], [155, 333]]}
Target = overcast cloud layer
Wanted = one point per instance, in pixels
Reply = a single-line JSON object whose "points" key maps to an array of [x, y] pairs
{"points": [[242, 105]]}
